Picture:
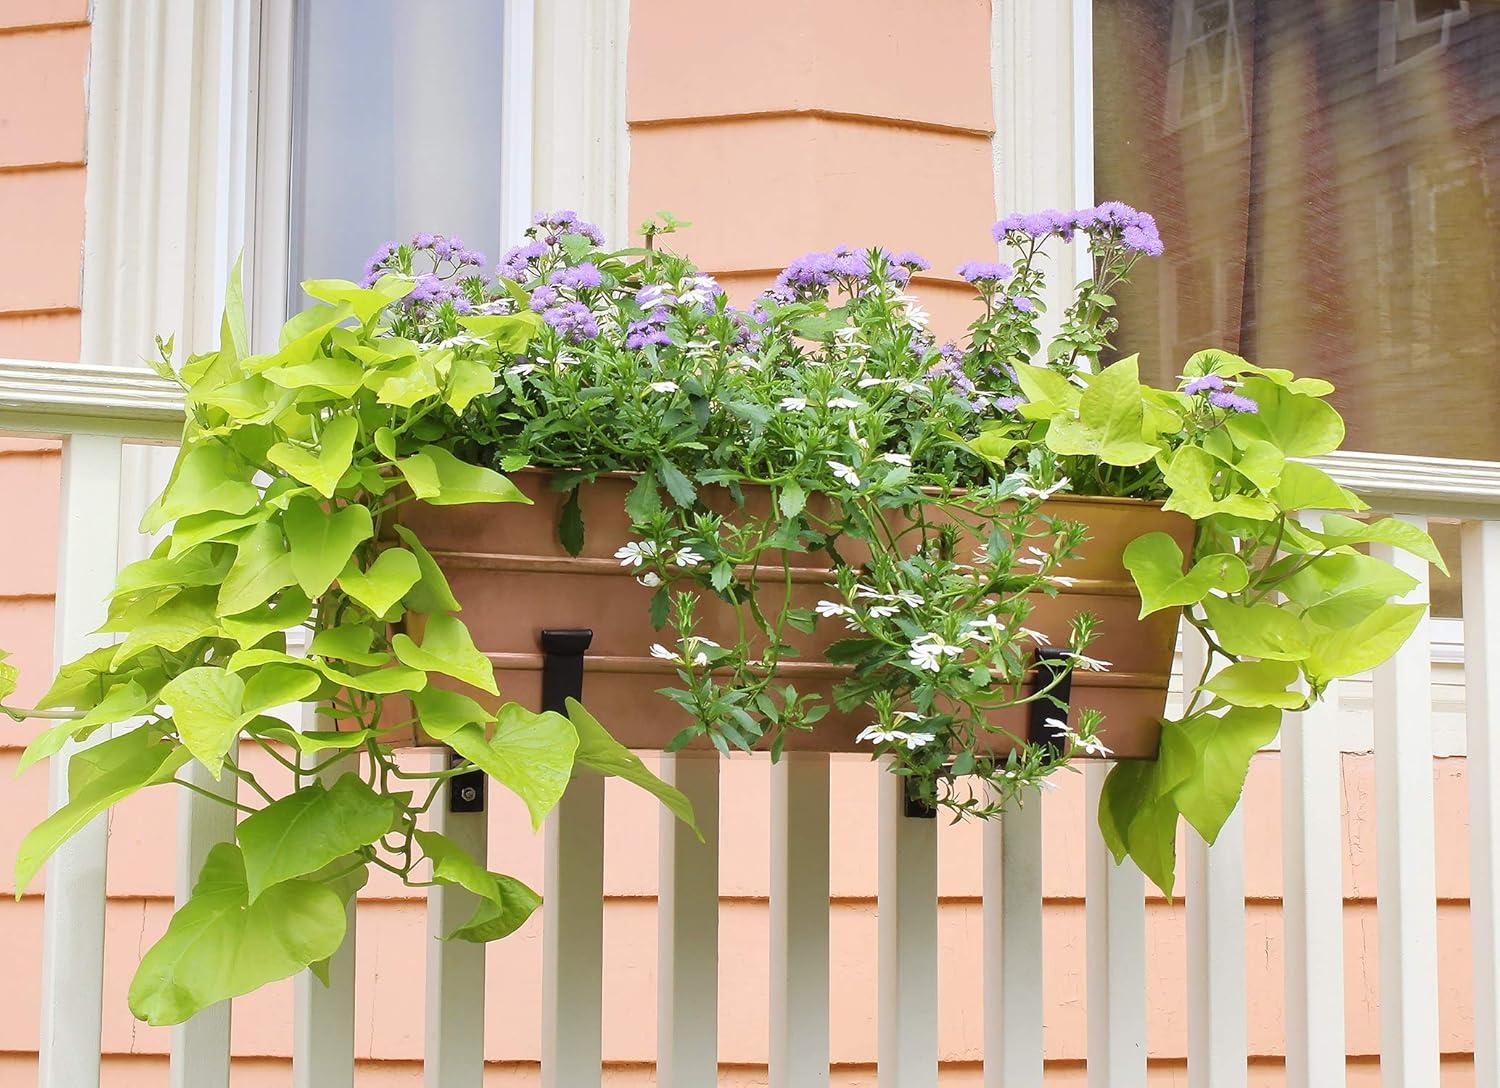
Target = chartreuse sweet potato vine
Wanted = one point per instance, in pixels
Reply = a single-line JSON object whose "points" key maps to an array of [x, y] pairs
{"points": [[290, 464]]}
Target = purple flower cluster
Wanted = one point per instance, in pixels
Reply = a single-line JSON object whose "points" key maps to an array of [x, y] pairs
{"points": [[1022, 303], [816, 271], [573, 320], [579, 276], [1136, 229], [544, 297], [912, 262], [447, 249], [950, 366], [651, 329], [1220, 394], [379, 262], [564, 221], [1232, 402], [518, 261], [987, 274]]}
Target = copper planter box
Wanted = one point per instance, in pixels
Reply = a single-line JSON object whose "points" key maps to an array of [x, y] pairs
{"points": [[514, 579]]}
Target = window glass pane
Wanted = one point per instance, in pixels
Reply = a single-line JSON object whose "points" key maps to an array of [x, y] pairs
{"points": [[397, 129], [1327, 178]]}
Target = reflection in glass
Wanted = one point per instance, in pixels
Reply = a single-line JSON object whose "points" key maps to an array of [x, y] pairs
{"points": [[1327, 178], [397, 129]]}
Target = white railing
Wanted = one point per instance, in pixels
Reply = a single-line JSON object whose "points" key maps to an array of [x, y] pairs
{"points": [[96, 411]]}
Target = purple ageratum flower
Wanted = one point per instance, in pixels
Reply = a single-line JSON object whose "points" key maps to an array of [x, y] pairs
{"points": [[1143, 240], [573, 320], [1209, 383], [579, 276], [1008, 404], [517, 261], [429, 288], [469, 256], [566, 221], [912, 262], [1232, 402], [642, 334], [985, 273], [1022, 303], [543, 297]]}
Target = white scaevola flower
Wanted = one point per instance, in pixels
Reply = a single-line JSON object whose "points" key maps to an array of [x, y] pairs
{"points": [[867, 382], [903, 459], [660, 651], [846, 334], [868, 593], [460, 340], [909, 715], [635, 553], [1094, 746], [1029, 492], [1031, 561], [927, 651], [1061, 580], [662, 387], [908, 598], [883, 611], [843, 402], [1088, 664], [650, 579], [793, 404], [522, 369], [833, 608], [916, 739], [1036, 636], [876, 733], [686, 557], [845, 473]]}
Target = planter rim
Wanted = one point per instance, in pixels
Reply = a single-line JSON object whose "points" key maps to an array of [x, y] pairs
{"points": [[1062, 497]]}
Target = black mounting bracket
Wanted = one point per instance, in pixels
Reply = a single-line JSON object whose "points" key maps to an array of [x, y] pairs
{"points": [[562, 677], [1048, 664]]}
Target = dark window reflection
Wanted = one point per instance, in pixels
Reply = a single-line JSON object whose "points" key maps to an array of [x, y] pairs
{"points": [[1327, 178]]}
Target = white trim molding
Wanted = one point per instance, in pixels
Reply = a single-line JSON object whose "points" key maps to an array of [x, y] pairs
{"points": [[1397, 483]]}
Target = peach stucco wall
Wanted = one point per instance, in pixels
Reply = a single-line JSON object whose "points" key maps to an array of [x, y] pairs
{"points": [[806, 125]]}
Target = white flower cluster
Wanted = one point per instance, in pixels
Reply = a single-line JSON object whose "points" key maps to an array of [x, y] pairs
{"points": [[692, 651]]}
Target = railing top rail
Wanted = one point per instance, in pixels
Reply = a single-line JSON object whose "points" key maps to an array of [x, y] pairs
{"points": [[52, 398]]}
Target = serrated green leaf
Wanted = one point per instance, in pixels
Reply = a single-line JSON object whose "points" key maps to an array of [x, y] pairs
{"points": [[570, 525], [220, 945], [598, 751], [678, 486], [1155, 563], [643, 500], [792, 500], [321, 541], [448, 648], [300, 833], [388, 579], [530, 754]]}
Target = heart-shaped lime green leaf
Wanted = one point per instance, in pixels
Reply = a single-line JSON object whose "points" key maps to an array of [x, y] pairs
{"points": [[467, 379], [406, 383], [290, 608], [220, 945], [207, 704], [530, 753], [113, 771], [1155, 563], [447, 648], [199, 566], [1258, 630], [321, 468], [9, 676], [185, 618], [504, 904], [366, 302], [508, 332], [1224, 744], [394, 571], [348, 642], [432, 593], [1339, 530], [307, 740], [1305, 487], [322, 540], [444, 712], [1137, 817], [303, 831], [1110, 422], [1352, 650], [1193, 476], [124, 701], [262, 566], [340, 378], [598, 751], [1047, 393], [1258, 684], [1297, 424], [459, 482], [197, 529], [208, 477]]}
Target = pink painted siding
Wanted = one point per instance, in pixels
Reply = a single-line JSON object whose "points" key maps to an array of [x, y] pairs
{"points": [[806, 126]]}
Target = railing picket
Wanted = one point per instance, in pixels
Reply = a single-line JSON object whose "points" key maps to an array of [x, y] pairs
{"points": [[200, 1046], [799, 921], [1116, 918], [907, 908], [687, 1026], [1481, 592], [1217, 1043], [1013, 1055], [573, 937], [1312, 904], [323, 1016], [1406, 896], [73, 909], [454, 1053]]}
